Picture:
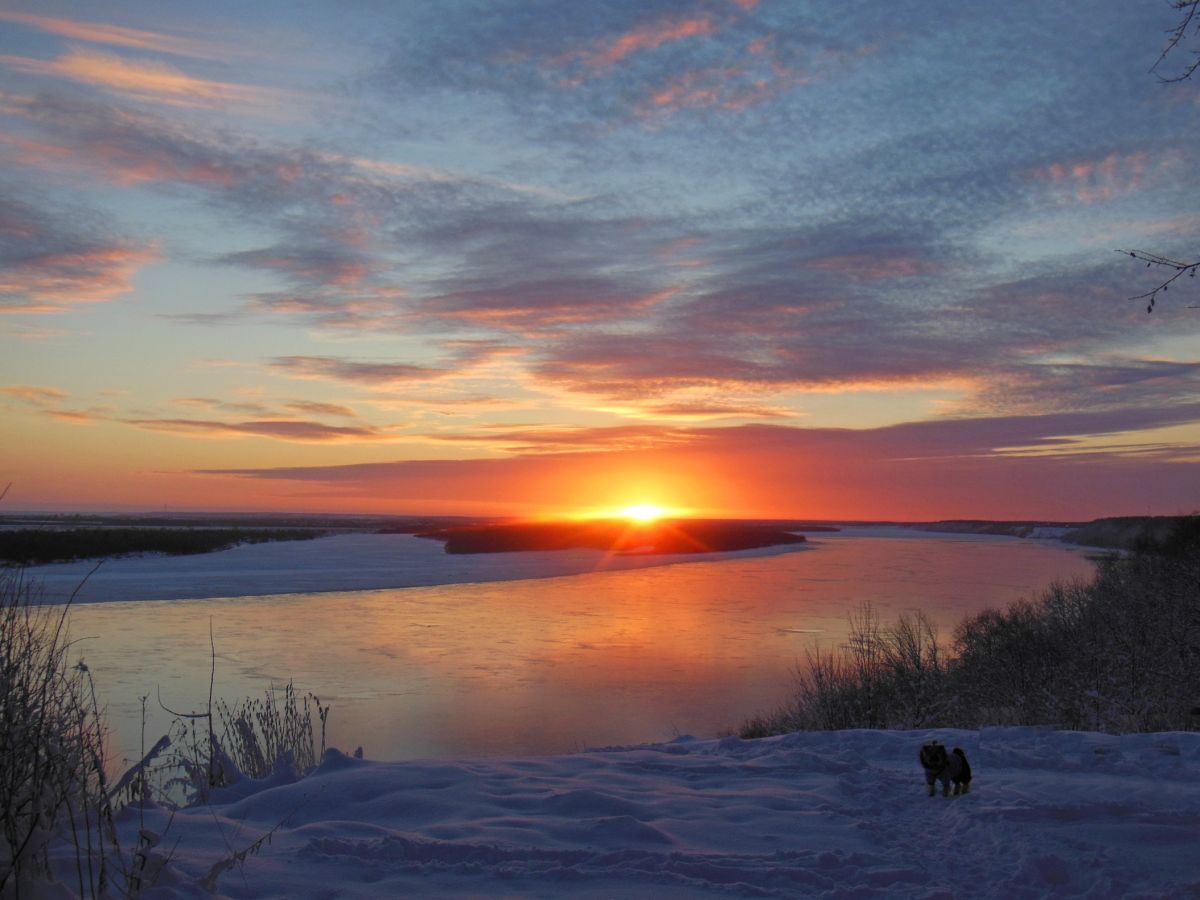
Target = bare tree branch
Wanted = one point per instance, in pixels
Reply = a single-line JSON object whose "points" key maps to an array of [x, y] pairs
{"points": [[1177, 267], [1178, 35]]}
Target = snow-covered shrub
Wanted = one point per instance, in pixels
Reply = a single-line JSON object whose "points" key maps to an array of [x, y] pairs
{"points": [[1120, 653], [891, 677], [258, 732]]}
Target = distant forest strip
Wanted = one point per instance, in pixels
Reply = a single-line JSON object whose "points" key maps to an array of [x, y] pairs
{"points": [[1119, 653], [32, 546]]}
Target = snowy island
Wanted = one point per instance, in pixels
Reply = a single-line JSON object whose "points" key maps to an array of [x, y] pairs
{"points": [[661, 536]]}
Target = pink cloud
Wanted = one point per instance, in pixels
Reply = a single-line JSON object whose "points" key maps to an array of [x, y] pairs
{"points": [[1096, 180], [649, 37]]}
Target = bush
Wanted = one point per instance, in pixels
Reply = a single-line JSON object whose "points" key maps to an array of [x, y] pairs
{"points": [[1120, 653]]}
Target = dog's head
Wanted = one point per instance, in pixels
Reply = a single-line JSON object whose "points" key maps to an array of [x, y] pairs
{"points": [[933, 756]]}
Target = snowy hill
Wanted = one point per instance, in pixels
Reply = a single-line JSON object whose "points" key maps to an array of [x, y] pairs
{"points": [[809, 814]]}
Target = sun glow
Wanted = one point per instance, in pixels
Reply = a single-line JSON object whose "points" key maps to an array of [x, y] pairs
{"points": [[643, 512]]}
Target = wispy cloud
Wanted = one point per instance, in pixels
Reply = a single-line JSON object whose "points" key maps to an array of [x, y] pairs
{"points": [[116, 35], [297, 430], [917, 470], [35, 395], [147, 80], [650, 35], [374, 374]]}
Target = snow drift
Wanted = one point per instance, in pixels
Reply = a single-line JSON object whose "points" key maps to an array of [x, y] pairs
{"points": [[1050, 813]]}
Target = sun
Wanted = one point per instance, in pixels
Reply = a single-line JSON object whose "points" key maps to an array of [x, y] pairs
{"points": [[643, 512]]}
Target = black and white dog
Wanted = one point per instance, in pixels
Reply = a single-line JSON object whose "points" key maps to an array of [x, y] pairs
{"points": [[946, 768]]}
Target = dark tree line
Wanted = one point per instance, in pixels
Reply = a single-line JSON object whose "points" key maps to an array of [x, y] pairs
{"points": [[31, 546]]}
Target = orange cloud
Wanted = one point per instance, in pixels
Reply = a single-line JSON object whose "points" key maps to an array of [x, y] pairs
{"points": [[35, 395], [72, 416], [113, 35], [149, 81]]}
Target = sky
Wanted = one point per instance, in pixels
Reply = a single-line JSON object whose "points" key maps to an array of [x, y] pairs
{"points": [[534, 257]]}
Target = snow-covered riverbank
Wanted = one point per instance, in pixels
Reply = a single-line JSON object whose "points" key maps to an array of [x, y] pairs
{"points": [[831, 814], [347, 562]]}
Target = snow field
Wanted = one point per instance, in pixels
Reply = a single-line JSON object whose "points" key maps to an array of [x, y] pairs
{"points": [[819, 814]]}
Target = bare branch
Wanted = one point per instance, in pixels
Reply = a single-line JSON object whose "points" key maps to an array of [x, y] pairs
{"points": [[1177, 35], [1177, 267]]}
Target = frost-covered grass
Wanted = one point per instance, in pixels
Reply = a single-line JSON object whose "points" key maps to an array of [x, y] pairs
{"points": [[57, 805], [53, 786], [1120, 653], [260, 731]]}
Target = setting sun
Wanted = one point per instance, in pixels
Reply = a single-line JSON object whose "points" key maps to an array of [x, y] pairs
{"points": [[643, 512]]}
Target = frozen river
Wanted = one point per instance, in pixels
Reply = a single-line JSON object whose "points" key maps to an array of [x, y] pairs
{"points": [[487, 667]]}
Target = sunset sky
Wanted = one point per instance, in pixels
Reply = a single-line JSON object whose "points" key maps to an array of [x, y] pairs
{"points": [[735, 257]]}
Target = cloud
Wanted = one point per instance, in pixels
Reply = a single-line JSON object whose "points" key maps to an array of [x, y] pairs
{"points": [[1116, 174], [327, 265], [35, 395], [1111, 383], [116, 35], [148, 81], [296, 430], [373, 374], [73, 416], [698, 412], [534, 307], [320, 409], [620, 64], [908, 472], [50, 263], [253, 409], [650, 35], [552, 439]]}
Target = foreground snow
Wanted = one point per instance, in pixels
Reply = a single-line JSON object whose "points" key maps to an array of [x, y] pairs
{"points": [[816, 814]]}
